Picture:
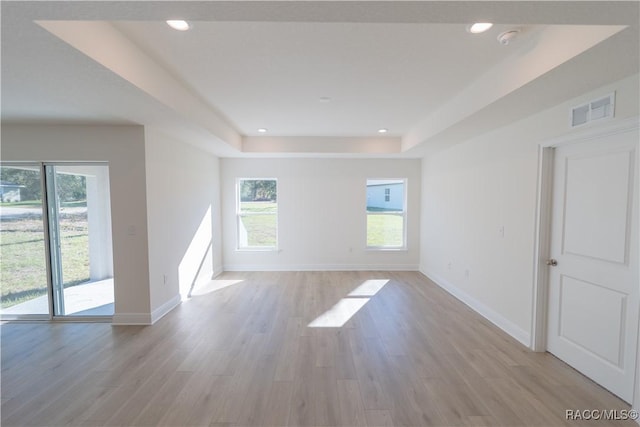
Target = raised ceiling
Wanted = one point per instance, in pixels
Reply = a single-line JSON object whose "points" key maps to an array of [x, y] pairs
{"points": [[321, 76], [322, 79]]}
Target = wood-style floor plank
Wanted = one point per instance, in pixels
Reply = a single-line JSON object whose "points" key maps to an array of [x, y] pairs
{"points": [[350, 401], [246, 355]]}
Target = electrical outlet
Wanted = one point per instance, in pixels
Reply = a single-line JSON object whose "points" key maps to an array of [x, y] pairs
{"points": [[449, 265]]}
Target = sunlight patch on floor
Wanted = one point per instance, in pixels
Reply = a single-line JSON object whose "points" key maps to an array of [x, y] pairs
{"points": [[339, 314], [212, 286], [347, 307], [368, 288]]}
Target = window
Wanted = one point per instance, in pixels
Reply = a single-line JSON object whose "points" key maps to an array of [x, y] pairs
{"points": [[257, 213], [386, 213]]}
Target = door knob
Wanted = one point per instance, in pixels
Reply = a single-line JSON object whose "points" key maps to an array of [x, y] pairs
{"points": [[552, 262]]}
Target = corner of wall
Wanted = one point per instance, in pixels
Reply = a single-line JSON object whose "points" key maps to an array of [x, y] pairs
{"points": [[522, 336], [184, 230], [165, 308], [217, 270]]}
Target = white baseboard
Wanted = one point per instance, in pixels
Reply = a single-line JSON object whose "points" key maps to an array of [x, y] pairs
{"points": [[122, 319], [218, 270], [488, 313], [165, 308], [321, 267]]}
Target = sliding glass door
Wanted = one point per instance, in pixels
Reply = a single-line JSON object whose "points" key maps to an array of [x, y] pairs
{"points": [[23, 258], [77, 264], [80, 239]]}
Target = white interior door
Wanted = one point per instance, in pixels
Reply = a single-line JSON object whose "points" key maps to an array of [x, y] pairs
{"points": [[593, 289]]}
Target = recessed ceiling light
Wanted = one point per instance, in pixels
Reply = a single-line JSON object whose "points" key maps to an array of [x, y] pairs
{"points": [[479, 27], [262, 130], [179, 24], [325, 99], [383, 130]]}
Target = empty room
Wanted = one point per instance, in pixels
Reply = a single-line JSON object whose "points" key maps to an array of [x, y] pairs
{"points": [[319, 213]]}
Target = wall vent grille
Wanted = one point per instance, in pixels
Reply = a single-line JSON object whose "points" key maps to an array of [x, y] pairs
{"points": [[596, 109]]}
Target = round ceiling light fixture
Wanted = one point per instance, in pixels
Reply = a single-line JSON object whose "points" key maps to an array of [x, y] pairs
{"points": [[262, 130], [383, 130], [179, 24], [479, 27], [507, 37]]}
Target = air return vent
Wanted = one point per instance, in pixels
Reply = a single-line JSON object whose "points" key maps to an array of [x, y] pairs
{"points": [[596, 109]]}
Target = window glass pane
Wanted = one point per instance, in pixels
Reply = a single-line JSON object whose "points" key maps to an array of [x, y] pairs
{"points": [[82, 222], [74, 227], [23, 269], [257, 213], [385, 230], [385, 213], [263, 207], [257, 231]]}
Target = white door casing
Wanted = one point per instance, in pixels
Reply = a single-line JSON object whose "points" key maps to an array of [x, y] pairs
{"points": [[593, 291]]}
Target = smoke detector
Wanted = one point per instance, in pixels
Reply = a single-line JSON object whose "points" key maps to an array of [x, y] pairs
{"points": [[508, 36]]}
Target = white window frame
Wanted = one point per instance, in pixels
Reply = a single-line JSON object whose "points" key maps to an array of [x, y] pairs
{"points": [[402, 247], [240, 214]]}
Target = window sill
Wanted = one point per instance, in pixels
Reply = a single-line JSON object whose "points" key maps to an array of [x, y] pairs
{"points": [[383, 249], [257, 250]]}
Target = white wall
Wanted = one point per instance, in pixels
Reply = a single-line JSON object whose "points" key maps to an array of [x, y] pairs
{"points": [[471, 190], [321, 214], [123, 148], [183, 213]]}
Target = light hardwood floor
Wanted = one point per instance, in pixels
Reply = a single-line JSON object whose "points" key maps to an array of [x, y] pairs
{"points": [[243, 355]]}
